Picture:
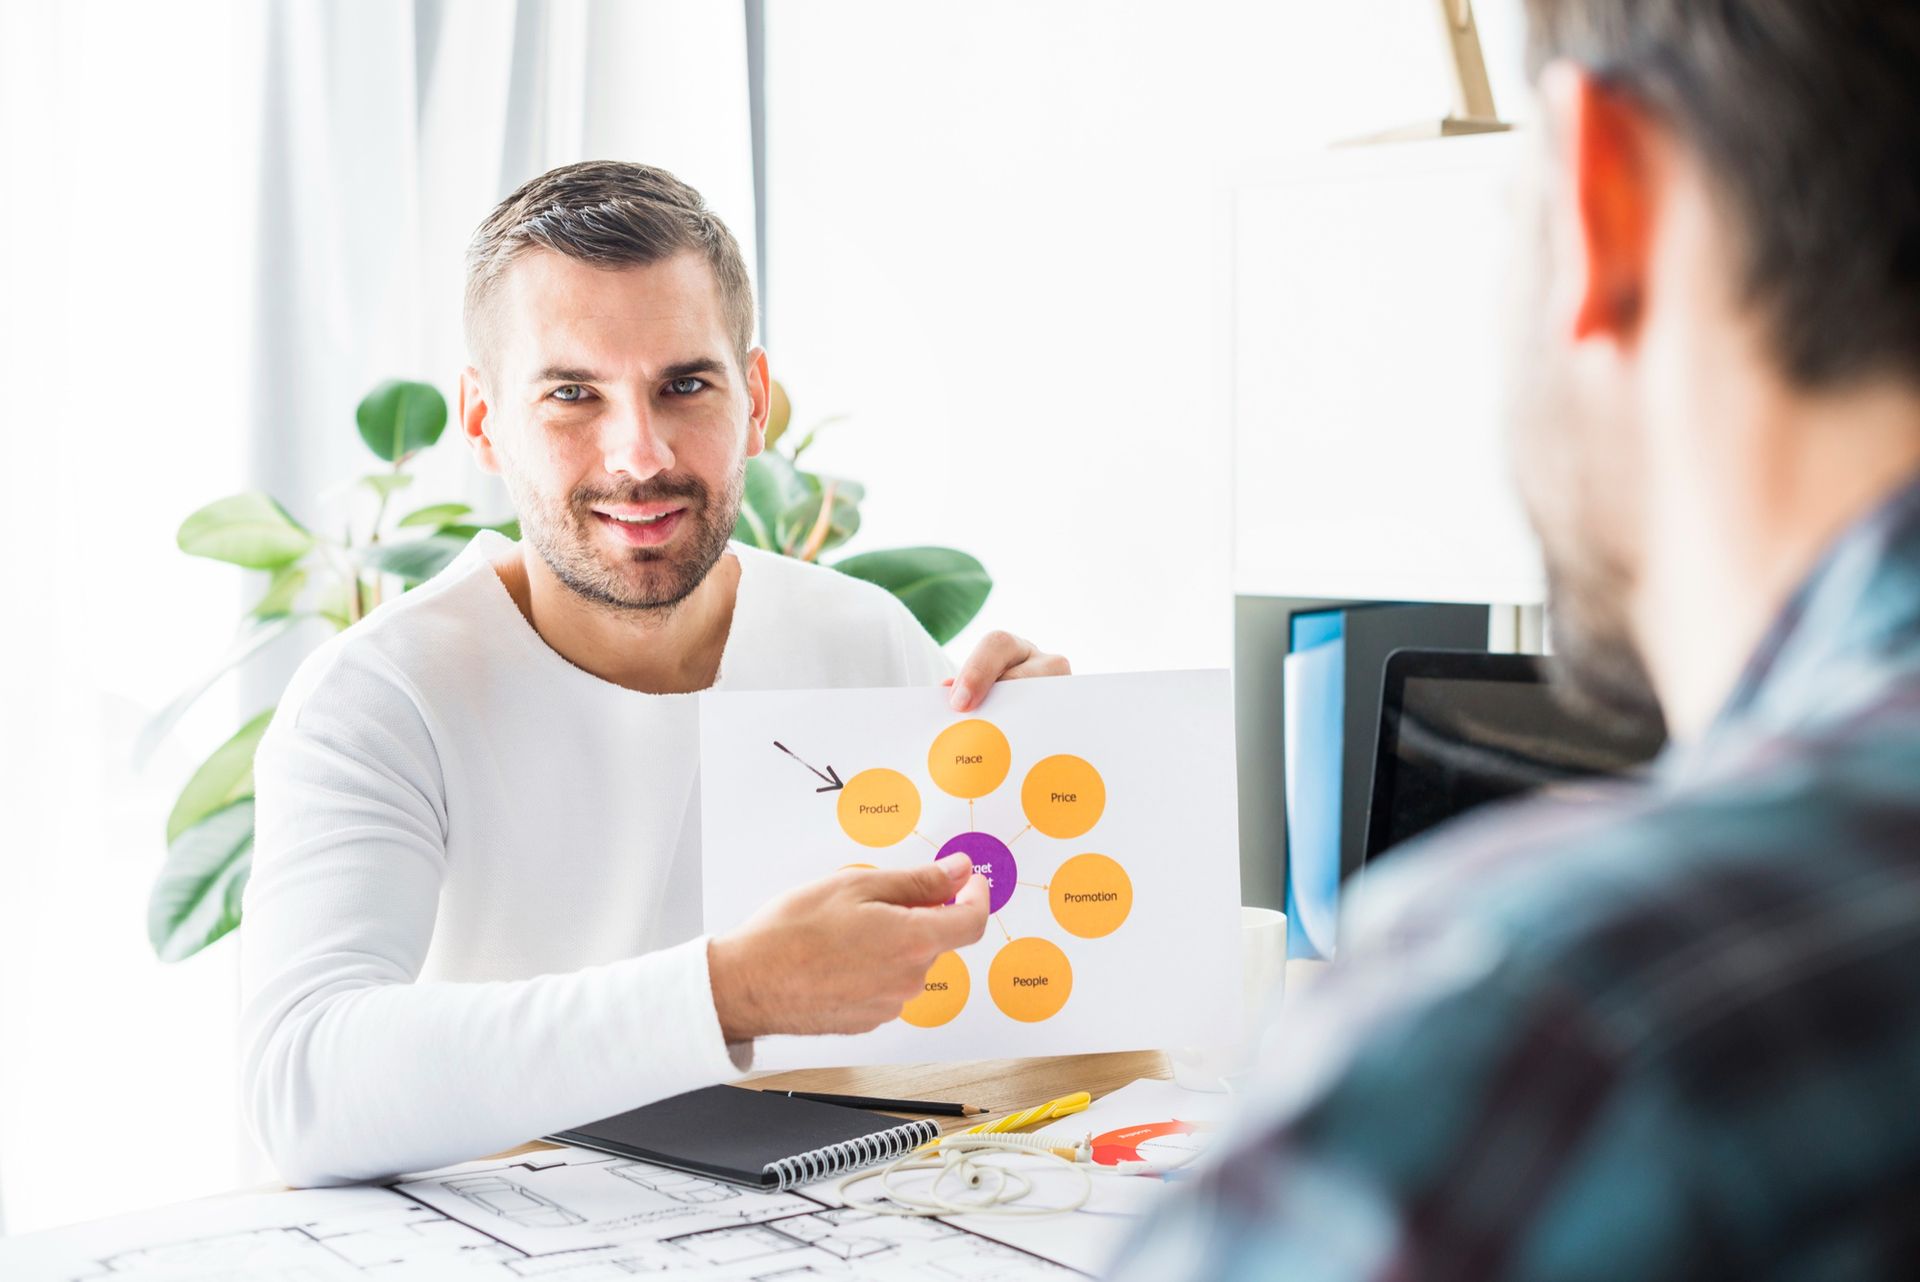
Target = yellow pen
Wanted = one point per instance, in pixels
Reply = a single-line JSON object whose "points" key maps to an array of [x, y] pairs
{"points": [[1065, 1106]]}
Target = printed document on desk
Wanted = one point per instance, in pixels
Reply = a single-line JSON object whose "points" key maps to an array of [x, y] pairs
{"points": [[564, 1214], [1100, 809]]}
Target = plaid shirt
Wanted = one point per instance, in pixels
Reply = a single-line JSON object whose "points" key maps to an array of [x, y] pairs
{"points": [[1672, 1032]]}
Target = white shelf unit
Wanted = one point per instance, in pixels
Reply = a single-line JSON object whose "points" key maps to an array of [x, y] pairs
{"points": [[1369, 337]]}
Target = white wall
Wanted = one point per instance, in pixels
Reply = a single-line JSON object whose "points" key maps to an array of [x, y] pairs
{"points": [[1000, 239], [1370, 455]]}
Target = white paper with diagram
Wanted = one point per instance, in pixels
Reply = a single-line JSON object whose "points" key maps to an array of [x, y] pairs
{"points": [[1101, 809]]}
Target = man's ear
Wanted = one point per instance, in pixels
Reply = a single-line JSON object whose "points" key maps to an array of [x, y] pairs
{"points": [[474, 420], [1606, 201], [760, 398]]}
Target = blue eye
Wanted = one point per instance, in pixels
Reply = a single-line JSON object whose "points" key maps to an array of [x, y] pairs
{"points": [[686, 386], [579, 393]]}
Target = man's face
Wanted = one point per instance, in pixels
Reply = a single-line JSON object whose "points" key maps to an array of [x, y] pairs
{"points": [[621, 421], [1577, 456]]}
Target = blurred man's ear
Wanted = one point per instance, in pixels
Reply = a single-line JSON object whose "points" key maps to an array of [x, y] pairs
{"points": [[760, 397], [474, 420], [1604, 204]]}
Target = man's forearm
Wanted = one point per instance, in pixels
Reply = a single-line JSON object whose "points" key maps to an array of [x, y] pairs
{"points": [[359, 1080]]}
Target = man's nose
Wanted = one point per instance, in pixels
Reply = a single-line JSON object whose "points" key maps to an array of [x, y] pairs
{"points": [[632, 443]]}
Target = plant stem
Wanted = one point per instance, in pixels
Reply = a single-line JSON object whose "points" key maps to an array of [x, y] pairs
{"points": [[822, 524], [380, 512], [373, 536], [354, 608]]}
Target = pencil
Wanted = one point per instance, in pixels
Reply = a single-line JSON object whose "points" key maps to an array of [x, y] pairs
{"points": [[891, 1105]]}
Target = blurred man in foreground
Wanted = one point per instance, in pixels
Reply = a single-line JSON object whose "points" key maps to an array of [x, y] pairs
{"points": [[1676, 1034]]}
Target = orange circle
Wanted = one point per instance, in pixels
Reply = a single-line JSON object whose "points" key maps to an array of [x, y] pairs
{"points": [[1090, 895], [879, 807], [1030, 980], [969, 758], [844, 867], [944, 993], [1063, 796]]}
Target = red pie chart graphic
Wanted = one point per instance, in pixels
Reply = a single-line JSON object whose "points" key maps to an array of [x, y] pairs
{"points": [[1124, 1144]]}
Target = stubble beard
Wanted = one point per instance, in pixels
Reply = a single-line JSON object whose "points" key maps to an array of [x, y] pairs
{"points": [[1568, 487], [1602, 676], [631, 579]]}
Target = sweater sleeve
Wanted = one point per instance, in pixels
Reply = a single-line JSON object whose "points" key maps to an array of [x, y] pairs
{"points": [[923, 662], [351, 1069]]}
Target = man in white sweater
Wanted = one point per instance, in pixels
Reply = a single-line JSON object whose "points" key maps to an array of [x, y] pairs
{"points": [[474, 915]]}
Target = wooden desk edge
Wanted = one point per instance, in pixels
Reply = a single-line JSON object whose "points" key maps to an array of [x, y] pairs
{"points": [[1001, 1086]]}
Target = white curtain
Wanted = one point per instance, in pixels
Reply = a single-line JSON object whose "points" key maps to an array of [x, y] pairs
{"points": [[387, 132], [119, 349], [221, 222]]}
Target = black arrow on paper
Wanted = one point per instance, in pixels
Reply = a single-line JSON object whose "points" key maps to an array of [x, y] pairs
{"points": [[832, 776]]}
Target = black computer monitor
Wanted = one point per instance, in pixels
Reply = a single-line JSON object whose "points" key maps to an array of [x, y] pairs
{"points": [[1461, 728]]}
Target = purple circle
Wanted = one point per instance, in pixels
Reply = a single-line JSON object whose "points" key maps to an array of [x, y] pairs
{"points": [[990, 858]]}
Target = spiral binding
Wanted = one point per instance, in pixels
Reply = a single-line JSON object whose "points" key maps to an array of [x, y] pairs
{"points": [[851, 1155]]}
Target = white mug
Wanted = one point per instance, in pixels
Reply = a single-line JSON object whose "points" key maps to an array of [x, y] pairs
{"points": [[1263, 962]]}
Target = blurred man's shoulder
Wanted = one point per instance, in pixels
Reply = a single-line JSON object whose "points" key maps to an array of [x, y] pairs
{"points": [[1679, 909]]}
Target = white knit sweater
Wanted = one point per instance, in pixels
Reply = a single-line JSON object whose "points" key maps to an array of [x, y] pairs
{"points": [[474, 916]]}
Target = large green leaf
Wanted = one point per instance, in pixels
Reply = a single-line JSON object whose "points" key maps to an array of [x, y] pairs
{"points": [[852, 491], [417, 560], [435, 516], [281, 593], [796, 523], [772, 486], [245, 529], [222, 779], [399, 418], [750, 528], [387, 484], [943, 587], [196, 898], [510, 528], [779, 413], [333, 602]]}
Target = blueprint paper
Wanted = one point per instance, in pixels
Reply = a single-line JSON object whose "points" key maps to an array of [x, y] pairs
{"points": [[542, 1203], [319, 1234], [576, 1215], [568, 1214], [1101, 809]]}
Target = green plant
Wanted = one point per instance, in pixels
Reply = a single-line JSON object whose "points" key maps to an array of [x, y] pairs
{"points": [[196, 898], [803, 514]]}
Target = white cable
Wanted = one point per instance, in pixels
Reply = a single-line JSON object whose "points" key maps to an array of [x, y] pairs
{"points": [[986, 1188]]}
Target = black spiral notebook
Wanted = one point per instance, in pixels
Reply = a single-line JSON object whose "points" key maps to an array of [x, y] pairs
{"points": [[758, 1138]]}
